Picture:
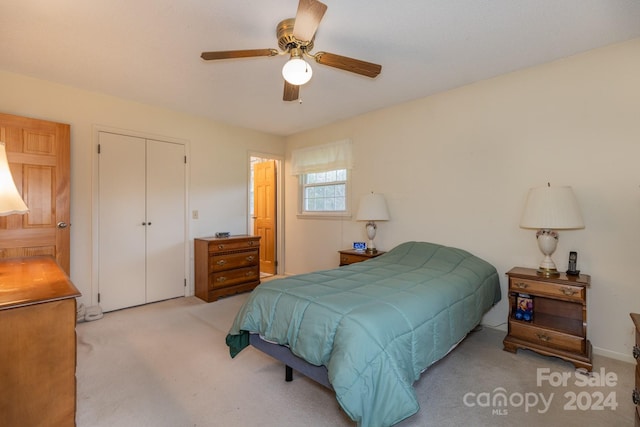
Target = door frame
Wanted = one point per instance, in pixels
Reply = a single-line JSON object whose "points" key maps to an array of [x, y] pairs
{"points": [[279, 203], [95, 202]]}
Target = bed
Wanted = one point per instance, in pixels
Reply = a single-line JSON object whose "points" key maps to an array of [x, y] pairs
{"points": [[373, 326]]}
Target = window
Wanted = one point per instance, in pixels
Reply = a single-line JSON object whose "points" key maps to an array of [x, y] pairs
{"points": [[324, 178], [325, 191]]}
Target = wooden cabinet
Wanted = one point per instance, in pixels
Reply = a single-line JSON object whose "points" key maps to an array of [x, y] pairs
{"points": [[37, 343], [636, 354], [226, 266], [351, 256], [558, 326]]}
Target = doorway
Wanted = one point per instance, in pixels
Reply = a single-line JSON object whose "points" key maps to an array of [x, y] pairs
{"points": [[264, 212]]}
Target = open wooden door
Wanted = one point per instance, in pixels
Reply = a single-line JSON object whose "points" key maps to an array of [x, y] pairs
{"points": [[39, 157], [264, 205]]}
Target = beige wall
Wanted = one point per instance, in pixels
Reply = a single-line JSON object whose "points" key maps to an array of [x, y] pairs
{"points": [[218, 160], [455, 169]]}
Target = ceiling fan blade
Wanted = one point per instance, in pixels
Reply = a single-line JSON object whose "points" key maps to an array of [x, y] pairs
{"points": [[291, 92], [233, 54], [348, 64], [308, 17]]}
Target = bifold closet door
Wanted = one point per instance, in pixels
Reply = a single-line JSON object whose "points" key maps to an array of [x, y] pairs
{"points": [[122, 229], [165, 220], [141, 221]]}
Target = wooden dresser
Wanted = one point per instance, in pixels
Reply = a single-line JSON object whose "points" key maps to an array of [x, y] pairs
{"points": [[226, 266], [559, 324], [636, 355], [37, 343]]}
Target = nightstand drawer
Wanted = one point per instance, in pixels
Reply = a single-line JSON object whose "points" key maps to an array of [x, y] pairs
{"points": [[547, 337], [350, 259], [567, 292]]}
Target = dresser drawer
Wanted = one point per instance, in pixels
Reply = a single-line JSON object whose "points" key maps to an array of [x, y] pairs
{"points": [[566, 292], [227, 261], [547, 338], [233, 277], [233, 245]]}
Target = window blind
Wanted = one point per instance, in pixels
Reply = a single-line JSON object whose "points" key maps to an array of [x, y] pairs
{"points": [[320, 158]]}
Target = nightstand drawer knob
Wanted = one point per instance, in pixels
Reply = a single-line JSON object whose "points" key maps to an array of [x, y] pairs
{"points": [[522, 285], [221, 262], [543, 337], [635, 396], [569, 292], [636, 351]]}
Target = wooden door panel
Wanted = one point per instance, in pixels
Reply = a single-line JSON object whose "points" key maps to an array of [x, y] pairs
{"points": [[39, 157], [264, 191]]}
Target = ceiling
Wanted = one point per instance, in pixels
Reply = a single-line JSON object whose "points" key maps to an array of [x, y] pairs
{"points": [[149, 50]]}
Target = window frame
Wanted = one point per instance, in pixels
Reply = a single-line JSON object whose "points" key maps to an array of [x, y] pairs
{"points": [[302, 186]]}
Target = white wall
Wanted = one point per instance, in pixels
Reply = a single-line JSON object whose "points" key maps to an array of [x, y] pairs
{"points": [[455, 169], [218, 160]]}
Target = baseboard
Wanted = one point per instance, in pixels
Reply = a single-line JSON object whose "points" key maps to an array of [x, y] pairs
{"points": [[624, 357]]}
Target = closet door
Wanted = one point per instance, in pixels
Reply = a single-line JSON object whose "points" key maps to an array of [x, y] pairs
{"points": [[122, 219], [142, 221], [165, 220]]}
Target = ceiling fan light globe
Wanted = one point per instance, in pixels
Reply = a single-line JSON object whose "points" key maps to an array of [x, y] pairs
{"points": [[297, 71]]}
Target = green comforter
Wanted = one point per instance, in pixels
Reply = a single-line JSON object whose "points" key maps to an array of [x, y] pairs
{"points": [[375, 325]]}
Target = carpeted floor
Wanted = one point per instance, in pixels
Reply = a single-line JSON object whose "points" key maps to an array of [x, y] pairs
{"points": [[166, 364]]}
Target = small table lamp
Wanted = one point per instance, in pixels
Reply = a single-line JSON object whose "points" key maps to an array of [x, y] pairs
{"points": [[10, 200], [548, 209], [372, 208]]}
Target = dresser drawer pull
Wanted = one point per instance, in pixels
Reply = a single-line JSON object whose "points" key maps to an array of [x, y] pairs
{"points": [[636, 351], [543, 337], [569, 292], [222, 262], [522, 285], [249, 273], [250, 243], [220, 246], [635, 396], [221, 279], [250, 258]]}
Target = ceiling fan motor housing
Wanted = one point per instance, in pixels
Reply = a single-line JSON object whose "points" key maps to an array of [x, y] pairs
{"points": [[287, 41]]}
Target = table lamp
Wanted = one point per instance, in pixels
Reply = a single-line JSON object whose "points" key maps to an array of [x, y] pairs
{"points": [[372, 208], [548, 209]]}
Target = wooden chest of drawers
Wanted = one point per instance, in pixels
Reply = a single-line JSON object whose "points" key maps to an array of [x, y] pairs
{"points": [[636, 354], [559, 324], [226, 266], [37, 343]]}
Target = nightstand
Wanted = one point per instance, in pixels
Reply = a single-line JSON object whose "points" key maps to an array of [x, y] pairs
{"points": [[559, 324], [351, 256]]}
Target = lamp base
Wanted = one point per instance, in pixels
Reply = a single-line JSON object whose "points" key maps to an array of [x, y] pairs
{"points": [[371, 251], [548, 272]]}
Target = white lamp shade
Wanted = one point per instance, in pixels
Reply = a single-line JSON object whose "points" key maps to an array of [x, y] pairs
{"points": [[552, 208], [10, 200], [373, 207], [297, 71]]}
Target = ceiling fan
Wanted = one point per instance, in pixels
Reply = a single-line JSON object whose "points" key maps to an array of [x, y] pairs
{"points": [[295, 38]]}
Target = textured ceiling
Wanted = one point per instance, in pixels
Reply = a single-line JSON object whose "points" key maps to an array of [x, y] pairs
{"points": [[149, 50]]}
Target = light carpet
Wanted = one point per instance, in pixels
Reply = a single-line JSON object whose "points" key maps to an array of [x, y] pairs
{"points": [[167, 364]]}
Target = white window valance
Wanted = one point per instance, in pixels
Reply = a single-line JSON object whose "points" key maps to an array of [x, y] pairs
{"points": [[320, 158]]}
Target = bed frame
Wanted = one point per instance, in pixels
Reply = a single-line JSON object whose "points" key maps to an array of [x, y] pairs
{"points": [[291, 361]]}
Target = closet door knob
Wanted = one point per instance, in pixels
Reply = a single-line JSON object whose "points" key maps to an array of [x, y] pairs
{"points": [[62, 224]]}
